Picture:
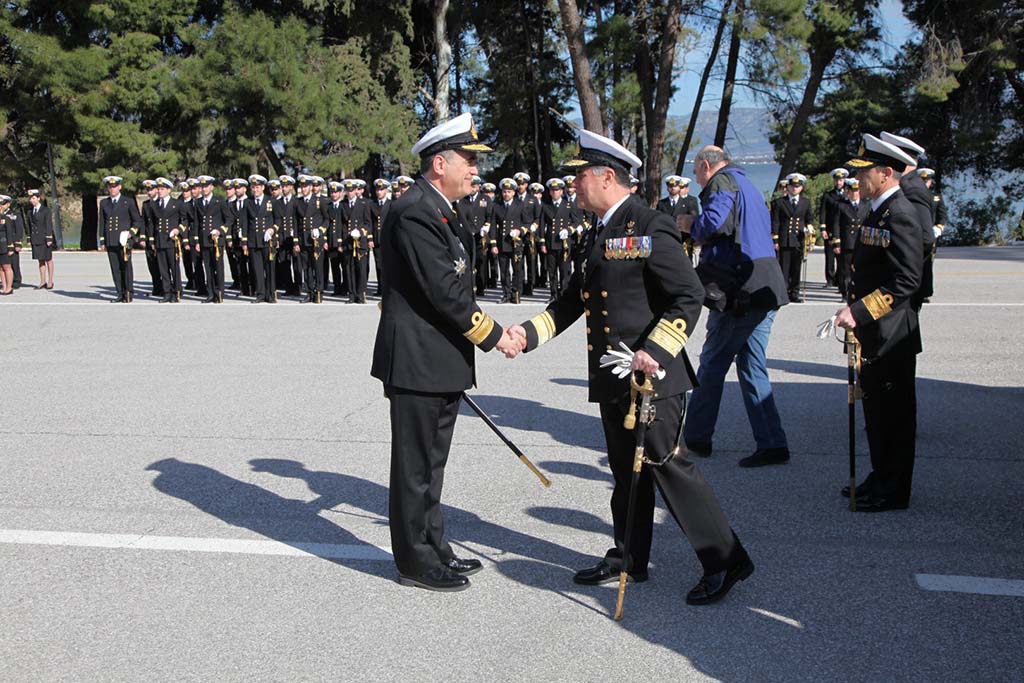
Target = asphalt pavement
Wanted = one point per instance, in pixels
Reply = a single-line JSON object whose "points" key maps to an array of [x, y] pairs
{"points": [[199, 493]]}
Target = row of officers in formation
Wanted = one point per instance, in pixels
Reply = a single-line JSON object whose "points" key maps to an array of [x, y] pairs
{"points": [[286, 235], [842, 213]]}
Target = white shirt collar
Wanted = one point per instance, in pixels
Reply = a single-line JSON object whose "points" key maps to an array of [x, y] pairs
{"points": [[610, 212], [875, 203], [450, 208]]}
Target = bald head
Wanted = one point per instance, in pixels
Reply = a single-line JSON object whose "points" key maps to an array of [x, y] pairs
{"points": [[708, 160]]}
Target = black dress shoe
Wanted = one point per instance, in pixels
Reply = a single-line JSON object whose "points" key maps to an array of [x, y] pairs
{"points": [[701, 448], [863, 488], [116, 300], [602, 572], [437, 579], [464, 567], [208, 300], [165, 300], [258, 301], [875, 503], [766, 456], [712, 588]]}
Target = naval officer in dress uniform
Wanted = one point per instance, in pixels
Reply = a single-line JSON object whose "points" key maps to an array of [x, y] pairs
{"points": [[637, 287], [40, 232], [120, 224], [887, 265], [424, 353]]}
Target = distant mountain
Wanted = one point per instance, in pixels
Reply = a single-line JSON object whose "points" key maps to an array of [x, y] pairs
{"points": [[747, 137]]}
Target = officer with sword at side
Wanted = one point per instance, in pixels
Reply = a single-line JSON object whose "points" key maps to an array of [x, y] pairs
{"points": [[641, 298]]}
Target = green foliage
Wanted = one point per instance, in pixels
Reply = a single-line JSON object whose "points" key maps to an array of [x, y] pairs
{"points": [[991, 220]]}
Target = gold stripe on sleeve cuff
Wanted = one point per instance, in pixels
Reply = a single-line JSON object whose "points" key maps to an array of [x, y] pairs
{"points": [[545, 326], [482, 326], [878, 304], [671, 336]]}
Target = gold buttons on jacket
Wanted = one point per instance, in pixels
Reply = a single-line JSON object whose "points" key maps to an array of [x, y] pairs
{"points": [[590, 347], [586, 295], [604, 313], [586, 312], [604, 294], [607, 330], [588, 330]]}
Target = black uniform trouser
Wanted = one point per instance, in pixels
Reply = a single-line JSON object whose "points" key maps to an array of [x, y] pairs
{"points": [[376, 267], [244, 275], [121, 270], [791, 258], [890, 414], [844, 271], [284, 265], [357, 272], [510, 265], [336, 268], [530, 274], [543, 272], [186, 261], [686, 493], [480, 277], [197, 267], [421, 436], [214, 268], [263, 275], [492, 269], [169, 271], [233, 265], [314, 257], [559, 267], [298, 270], [152, 263], [830, 265], [16, 266]]}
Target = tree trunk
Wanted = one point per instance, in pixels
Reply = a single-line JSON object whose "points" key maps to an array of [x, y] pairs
{"points": [[794, 140], [691, 127], [730, 76], [657, 93], [581, 72], [457, 66], [443, 52], [275, 161]]}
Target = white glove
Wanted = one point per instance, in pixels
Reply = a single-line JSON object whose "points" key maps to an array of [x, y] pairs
{"points": [[267, 234], [513, 233], [826, 328], [485, 229], [579, 229], [533, 227], [354, 233], [937, 231], [621, 362], [174, 233], [316, 233], [123, 239], [563, 234]]}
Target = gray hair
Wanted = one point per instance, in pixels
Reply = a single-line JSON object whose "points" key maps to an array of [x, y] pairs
{"points": [[713, 155], [427, 162], [621, 176]]}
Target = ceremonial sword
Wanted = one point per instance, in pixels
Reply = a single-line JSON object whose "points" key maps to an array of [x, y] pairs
{"points": [[508, 442]]}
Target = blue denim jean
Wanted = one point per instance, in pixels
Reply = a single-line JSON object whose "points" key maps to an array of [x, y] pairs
{"points": [[745, 340]]}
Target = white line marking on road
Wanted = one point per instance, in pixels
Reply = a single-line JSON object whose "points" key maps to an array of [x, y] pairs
{"points": [[331, 551], [777, 617], [978, 585]]}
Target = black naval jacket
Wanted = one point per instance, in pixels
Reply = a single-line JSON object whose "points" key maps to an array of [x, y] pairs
{"points": [[285, 218], [259, 219], [309, 216], [40, 227], [828, 208], [847, 219], [648, 301], [554, 219], [378, 214], [790, 222], [115, 217], [8, 233], [504, 219], [166, 219], [685, 206], [430, 321], [213, 216], [887, 267]]}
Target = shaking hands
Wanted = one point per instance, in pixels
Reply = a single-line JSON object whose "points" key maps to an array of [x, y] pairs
{"points": [[512, 342]]}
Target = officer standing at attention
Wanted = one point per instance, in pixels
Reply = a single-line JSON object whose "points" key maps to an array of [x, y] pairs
{"points": [[847, 220], [529, 222], [827, 214], [166, 239], [424, 351], [475, 213], [679, 203], [940, 216], [7, 237], [637, 287], [148, 220], [213, 219], [558, 225], [791, 217], [259, 245], [120, 223], [887, 265], [379, 208], [40, 231], [508, 234]]}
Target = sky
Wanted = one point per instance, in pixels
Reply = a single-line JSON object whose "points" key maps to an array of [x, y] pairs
{"points": [[895, 31]]}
